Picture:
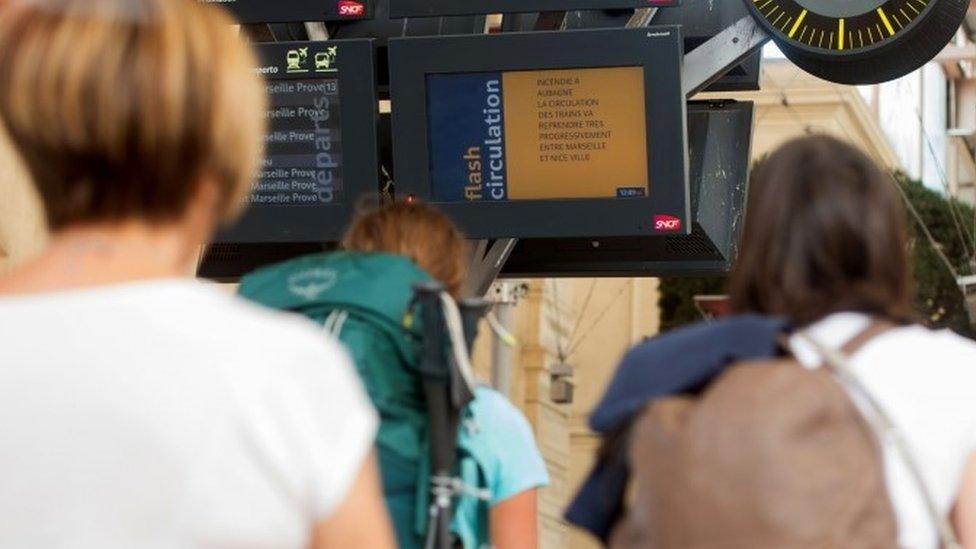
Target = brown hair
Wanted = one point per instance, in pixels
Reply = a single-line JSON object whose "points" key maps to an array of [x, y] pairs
{"points": [[417, 231], [119, 108], [825, 233]]}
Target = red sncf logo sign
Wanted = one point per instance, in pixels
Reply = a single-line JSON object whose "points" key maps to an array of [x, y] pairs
{"points": [[351, 8], [668, 223]]}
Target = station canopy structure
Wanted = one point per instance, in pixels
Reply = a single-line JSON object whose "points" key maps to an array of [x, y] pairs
{"points": [[563, 136]]}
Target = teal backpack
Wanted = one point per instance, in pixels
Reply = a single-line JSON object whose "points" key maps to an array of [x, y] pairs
{"points": [[365, 299]]}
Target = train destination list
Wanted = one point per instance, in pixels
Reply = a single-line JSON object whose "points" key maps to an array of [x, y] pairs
{"points": [[303, 157]]}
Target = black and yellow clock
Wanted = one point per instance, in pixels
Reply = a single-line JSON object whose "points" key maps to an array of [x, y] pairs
{"points": [[860, 41]]}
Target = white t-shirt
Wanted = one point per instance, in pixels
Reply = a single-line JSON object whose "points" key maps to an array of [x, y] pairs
{"points": [[167, 414], [926, 381]]}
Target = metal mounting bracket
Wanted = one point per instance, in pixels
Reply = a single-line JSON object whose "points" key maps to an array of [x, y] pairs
{"points": [[711, 60], [487, 259]]}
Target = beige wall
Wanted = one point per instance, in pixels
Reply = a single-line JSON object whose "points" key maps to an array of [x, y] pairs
{"points": [[590, 322], [22, 230], [792, 103]]}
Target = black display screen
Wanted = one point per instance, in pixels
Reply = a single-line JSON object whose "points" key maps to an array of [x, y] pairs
{"points": [[320, 146], [544, 134]]}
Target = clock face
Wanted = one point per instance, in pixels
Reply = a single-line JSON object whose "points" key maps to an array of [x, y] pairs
{"points": [[859, 41], [839, 27]]}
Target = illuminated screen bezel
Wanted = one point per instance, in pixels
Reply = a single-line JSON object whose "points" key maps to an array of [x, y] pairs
{"points": [[657, 49], [358, 120]]}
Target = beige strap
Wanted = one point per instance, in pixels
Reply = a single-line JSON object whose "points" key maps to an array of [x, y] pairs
{"points": [[874, 329]]}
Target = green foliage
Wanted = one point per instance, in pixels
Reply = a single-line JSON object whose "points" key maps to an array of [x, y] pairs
{"points": [[677, 298], [939, 302]]}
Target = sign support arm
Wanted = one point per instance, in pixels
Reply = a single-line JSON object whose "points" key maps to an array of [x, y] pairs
{"points": [[711, 60]]}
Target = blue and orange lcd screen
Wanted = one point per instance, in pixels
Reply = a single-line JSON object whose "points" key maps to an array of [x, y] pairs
{"points": [[538, 135]]}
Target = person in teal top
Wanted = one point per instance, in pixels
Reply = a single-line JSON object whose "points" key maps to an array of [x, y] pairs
{"points": [[515, 468], [363, 296], [517, 465]]}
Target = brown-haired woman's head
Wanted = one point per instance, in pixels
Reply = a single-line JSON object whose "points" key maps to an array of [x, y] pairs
{"points": [[825, 233], [417, 231], [121, 109]]}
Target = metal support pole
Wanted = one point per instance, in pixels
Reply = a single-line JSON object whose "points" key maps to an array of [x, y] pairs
{"points": [[550, 20], [316, 30], [501, 353], [641, 18], [487, 259], [504, 298], [258, 33]]}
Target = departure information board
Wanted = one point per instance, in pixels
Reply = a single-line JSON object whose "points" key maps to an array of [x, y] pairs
{"points": [[320, 146], [544, 134], [520, 135]]}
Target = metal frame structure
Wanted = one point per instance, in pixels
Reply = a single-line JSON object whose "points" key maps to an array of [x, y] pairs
{"points": [[701, 66]]}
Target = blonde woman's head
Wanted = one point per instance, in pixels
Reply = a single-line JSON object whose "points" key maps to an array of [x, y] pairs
{"points": [[121, 109]]}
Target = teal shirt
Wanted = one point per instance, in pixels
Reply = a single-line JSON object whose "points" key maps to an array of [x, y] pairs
{"points": [[516, 464], [509, 460]]}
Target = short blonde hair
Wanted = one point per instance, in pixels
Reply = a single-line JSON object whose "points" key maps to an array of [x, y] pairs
{"points": [[417, 231], [119, 108]]}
